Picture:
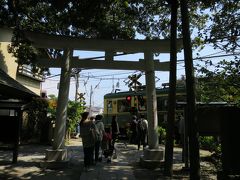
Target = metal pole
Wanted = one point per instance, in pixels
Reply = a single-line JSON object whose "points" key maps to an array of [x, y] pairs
{"points": [[90, 104], [77, 86]]}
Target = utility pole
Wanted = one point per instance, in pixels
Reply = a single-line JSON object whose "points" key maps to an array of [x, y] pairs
{"points": [[77, 86], [76, 73], [90, 103]]}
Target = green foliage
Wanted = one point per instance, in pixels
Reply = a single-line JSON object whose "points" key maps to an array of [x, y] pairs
{"points": [[210, 143], [37, 117], [161, 134], [224, 31], [52, 105], [215, 22], [219, 83], [25, 52], [74, 111]]}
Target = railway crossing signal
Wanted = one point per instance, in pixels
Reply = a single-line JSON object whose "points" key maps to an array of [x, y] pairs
{"points": [[128, 99], [134, 81], [81, 96]]}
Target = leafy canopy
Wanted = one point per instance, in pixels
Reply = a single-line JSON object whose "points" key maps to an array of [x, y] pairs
{"points": [[221, 83], [214, 21]]}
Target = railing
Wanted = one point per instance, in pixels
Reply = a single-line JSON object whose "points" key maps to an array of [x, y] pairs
{"points": [[26, 71]]}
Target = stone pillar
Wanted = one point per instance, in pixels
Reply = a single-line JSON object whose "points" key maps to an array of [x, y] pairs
{"points": [[59, 153], [151, 101], [152, 155]]}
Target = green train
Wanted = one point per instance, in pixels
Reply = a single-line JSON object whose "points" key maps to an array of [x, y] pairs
{"points": [[125, 104]]}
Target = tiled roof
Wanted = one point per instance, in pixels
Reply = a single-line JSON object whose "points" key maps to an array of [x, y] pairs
{"points": [[12, 89]]}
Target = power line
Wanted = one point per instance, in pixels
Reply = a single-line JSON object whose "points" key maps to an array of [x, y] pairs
{"points": [[92, 76], [114, 74], [209, 57], [52, 76], [179, 61]]}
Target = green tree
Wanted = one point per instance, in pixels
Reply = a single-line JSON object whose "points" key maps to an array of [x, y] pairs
{"points": [[215, 22], [74, 110], [219, 83], [52, 106], [73, 116], [37, 118], [212, 21]]}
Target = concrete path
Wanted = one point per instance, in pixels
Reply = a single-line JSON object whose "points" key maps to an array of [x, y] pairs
{"points": [[125, 167], [119, 169]]}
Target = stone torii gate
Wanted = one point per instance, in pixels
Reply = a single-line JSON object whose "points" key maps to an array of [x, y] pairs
{"points": [[68, 44]]}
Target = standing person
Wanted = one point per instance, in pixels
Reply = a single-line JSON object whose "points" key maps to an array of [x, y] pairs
{"points": [[181, 129], [99, 131], [87, 133], [139, 132], [107, 145], [134, 130], [115, 131], [144, 130]]}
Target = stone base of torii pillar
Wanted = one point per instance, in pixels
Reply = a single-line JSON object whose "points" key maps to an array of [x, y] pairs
{"points": [[152, 158], [55, 159]]}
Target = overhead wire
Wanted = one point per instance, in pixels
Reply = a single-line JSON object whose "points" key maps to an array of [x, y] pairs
{"points": [[209, 57], [100, 77]]}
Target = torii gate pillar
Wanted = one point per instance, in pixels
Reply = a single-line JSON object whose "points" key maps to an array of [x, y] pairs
{"points": [[59, 152], [153, 155]]}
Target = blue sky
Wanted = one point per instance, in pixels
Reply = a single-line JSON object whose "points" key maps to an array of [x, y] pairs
{"points": [[104, 81]]}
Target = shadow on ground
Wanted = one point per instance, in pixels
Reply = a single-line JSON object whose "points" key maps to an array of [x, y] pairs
{"points": [[28, 165]]}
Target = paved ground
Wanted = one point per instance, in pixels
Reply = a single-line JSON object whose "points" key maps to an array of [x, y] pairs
{"points": [[125, 166]]}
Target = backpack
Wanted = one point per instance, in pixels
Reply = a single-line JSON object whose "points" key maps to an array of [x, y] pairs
{"points": [[141, 127], [97, 132]]}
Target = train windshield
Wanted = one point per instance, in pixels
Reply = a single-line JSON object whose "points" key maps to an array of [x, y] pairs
{"points": [[122, 105]]}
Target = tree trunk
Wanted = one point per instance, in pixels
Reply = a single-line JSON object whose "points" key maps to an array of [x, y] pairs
{"points": [[172, 92], [190, 88]]}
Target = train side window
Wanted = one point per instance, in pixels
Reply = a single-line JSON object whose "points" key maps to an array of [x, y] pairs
{"points": [[109, 106]]}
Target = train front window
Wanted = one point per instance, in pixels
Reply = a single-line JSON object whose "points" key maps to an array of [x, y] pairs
{"points": [[161, 104], [122, 105], [142, 105]]}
